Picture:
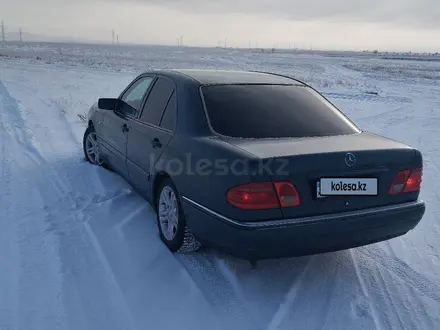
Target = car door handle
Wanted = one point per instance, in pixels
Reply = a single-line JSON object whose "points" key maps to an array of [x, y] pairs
{"points": [[125, 128], [156, 143]]}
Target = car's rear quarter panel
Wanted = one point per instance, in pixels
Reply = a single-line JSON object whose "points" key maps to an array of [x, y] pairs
{"points": [[208, 174]]}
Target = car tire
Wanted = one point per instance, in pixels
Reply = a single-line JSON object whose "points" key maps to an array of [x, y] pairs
{"points": [[90, 142], [171, 222]]}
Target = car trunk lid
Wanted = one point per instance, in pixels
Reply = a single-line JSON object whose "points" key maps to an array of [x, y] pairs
{"points": [[306, 161]]}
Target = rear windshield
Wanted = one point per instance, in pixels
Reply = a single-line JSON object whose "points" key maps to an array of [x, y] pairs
{"points": [[272, 111]]}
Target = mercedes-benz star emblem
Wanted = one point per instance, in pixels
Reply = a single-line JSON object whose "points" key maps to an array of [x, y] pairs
{"points": [[350, 159]]}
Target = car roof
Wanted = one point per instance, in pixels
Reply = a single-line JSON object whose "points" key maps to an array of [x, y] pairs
{"points": [[214, 76]]}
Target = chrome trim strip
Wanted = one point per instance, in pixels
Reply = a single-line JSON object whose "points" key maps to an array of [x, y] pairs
{"points": [[304, 220]]}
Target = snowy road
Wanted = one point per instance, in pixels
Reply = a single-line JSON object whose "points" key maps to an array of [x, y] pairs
{"points": [[79, 248]]}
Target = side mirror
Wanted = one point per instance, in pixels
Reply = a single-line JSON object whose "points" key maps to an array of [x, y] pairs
{"points": [[108, 104]]}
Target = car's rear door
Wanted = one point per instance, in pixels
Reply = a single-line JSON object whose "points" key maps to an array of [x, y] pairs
{"points": [[151, 132], [116, 124]]}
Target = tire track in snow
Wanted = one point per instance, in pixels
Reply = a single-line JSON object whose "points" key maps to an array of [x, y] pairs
{"points": [[72, 230], [144, 265], [237, 293], [404, 272], [232, 279], [310, 301], [393, 315], [8, 241], [31, 92], [218, 290], [72, 239], [229, 285], [365, 291], [289, 299], [399, 306], [34, 303]]}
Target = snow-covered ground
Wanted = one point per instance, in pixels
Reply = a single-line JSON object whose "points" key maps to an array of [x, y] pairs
{"points": [[79, 249]]}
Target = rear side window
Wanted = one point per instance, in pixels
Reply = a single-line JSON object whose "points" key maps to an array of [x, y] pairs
{"points": [[156, 101], [169, 116], [272, 111]]}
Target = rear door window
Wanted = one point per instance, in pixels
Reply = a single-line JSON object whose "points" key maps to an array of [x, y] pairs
{"points": [[272, 111], [157, 101]]}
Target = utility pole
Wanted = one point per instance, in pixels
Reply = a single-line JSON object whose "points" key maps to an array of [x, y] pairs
{"points": [[181, 41], [113, 37], [21, 35], [3, 32], [117, 39]]}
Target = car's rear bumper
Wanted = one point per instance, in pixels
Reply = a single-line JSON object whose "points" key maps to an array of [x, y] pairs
{"points": [[301, 236]]}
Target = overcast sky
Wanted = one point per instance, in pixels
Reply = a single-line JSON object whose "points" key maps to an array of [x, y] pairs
{"points": [[336, 24]]}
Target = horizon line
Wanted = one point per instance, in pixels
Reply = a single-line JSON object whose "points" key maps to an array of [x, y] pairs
{"points": [[73, 40]]}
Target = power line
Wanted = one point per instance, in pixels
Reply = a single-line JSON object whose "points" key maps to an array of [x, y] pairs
{"points": [[180, 41], [3, 32]]}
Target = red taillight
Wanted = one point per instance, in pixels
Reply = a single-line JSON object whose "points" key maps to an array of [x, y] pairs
{"points": [[263, 195], [253, 196], [406, 181], [414, 181]]}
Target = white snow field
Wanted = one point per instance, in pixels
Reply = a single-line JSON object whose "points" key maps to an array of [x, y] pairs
{"points": [[79, 249]]}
